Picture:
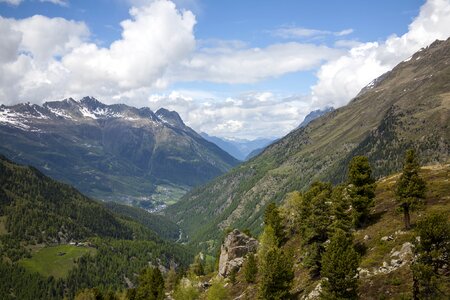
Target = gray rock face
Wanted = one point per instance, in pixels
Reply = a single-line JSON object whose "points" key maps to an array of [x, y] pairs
{"points": [[233, 251]]}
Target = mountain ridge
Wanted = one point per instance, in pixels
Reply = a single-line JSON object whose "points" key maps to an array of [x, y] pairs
{"points": [[406, 108], [112, 152]]}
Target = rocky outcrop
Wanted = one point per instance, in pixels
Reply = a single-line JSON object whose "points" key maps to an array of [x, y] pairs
{"points": [[233, 251], [398, 259]]}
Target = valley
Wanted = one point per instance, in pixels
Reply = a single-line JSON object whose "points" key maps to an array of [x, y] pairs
{"points": [[217, 150]]}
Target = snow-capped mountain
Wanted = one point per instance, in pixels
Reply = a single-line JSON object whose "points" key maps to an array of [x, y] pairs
{"points": [[109, 151]]}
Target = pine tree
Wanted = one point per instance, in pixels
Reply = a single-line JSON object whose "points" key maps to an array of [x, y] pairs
{"points": [[410, 186], [151, 285], [361, 189], [276, 275], [171, 279], [340, 210], [267, 241], [250, 269], [316, 218], [339, 266], [272, 218], [432, 251]]}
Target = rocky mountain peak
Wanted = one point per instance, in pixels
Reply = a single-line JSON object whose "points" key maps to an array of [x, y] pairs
{"points": [[171, 117], [92, 103]]}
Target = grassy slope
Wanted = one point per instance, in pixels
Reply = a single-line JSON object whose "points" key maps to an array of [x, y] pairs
{"points": [[408, 108], [387, 221], [48, 261]]}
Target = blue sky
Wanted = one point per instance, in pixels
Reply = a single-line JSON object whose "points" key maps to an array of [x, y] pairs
{"points": [[231, 68]]}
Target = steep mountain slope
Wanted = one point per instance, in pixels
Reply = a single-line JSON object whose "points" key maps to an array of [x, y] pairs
{"points": [[384, 244], [41, 220], [114, 152], [309, 117], [161, 225], [407, 107]]}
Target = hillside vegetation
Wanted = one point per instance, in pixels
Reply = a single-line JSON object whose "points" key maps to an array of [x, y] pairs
{"points": [[305, 253], [39, 217], [408, 107]]}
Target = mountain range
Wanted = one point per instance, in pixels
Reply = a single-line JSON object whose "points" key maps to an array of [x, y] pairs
{"points": [[408, 107], [111, 152], [238, 148]]}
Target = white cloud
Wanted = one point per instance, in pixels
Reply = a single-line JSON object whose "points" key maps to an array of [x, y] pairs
{"points": [[12, 2], [45, 58], [292, 32], [51, 57], [247, 65], [57, 2], [249, 115], [157, 36], [341, 79]]}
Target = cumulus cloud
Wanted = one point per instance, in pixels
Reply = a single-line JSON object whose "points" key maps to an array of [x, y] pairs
{"points": [[45, 58], [247, 65], [248, 115], [341, 79], [53, 58]]}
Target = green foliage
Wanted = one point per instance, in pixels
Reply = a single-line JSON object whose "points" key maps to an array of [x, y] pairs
{"points": [[430, 269], [96, 294], [55, 261], [18, 283], [341, 210], [151, 285], [410, 186], [161, 225], [250, 268], [290, 212], [339, 266], [316, 217], [186, 291], [267, 241], [116, 259], [217, 291], [361, 189], [40, 209], [273, 219], [197, 267], [171, 279], [276, 274]]}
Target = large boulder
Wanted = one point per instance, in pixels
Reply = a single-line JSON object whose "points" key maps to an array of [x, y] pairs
{"points": [[233, 251]]}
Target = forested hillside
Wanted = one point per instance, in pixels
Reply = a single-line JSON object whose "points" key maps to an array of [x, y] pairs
{"points": [[50, 228], [408, 107], [346, 241]]}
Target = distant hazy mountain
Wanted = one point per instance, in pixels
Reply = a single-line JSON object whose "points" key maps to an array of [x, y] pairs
{"points": [[314, 115], [309, 117], [238, 148], [114, 152]]}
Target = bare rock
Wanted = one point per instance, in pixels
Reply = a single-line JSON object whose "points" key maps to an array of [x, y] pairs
{"points": [[387, 238], [315, 294], [233, 251]]}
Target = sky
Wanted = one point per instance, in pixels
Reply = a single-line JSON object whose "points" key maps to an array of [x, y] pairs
{"points": [[237, 69]]}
